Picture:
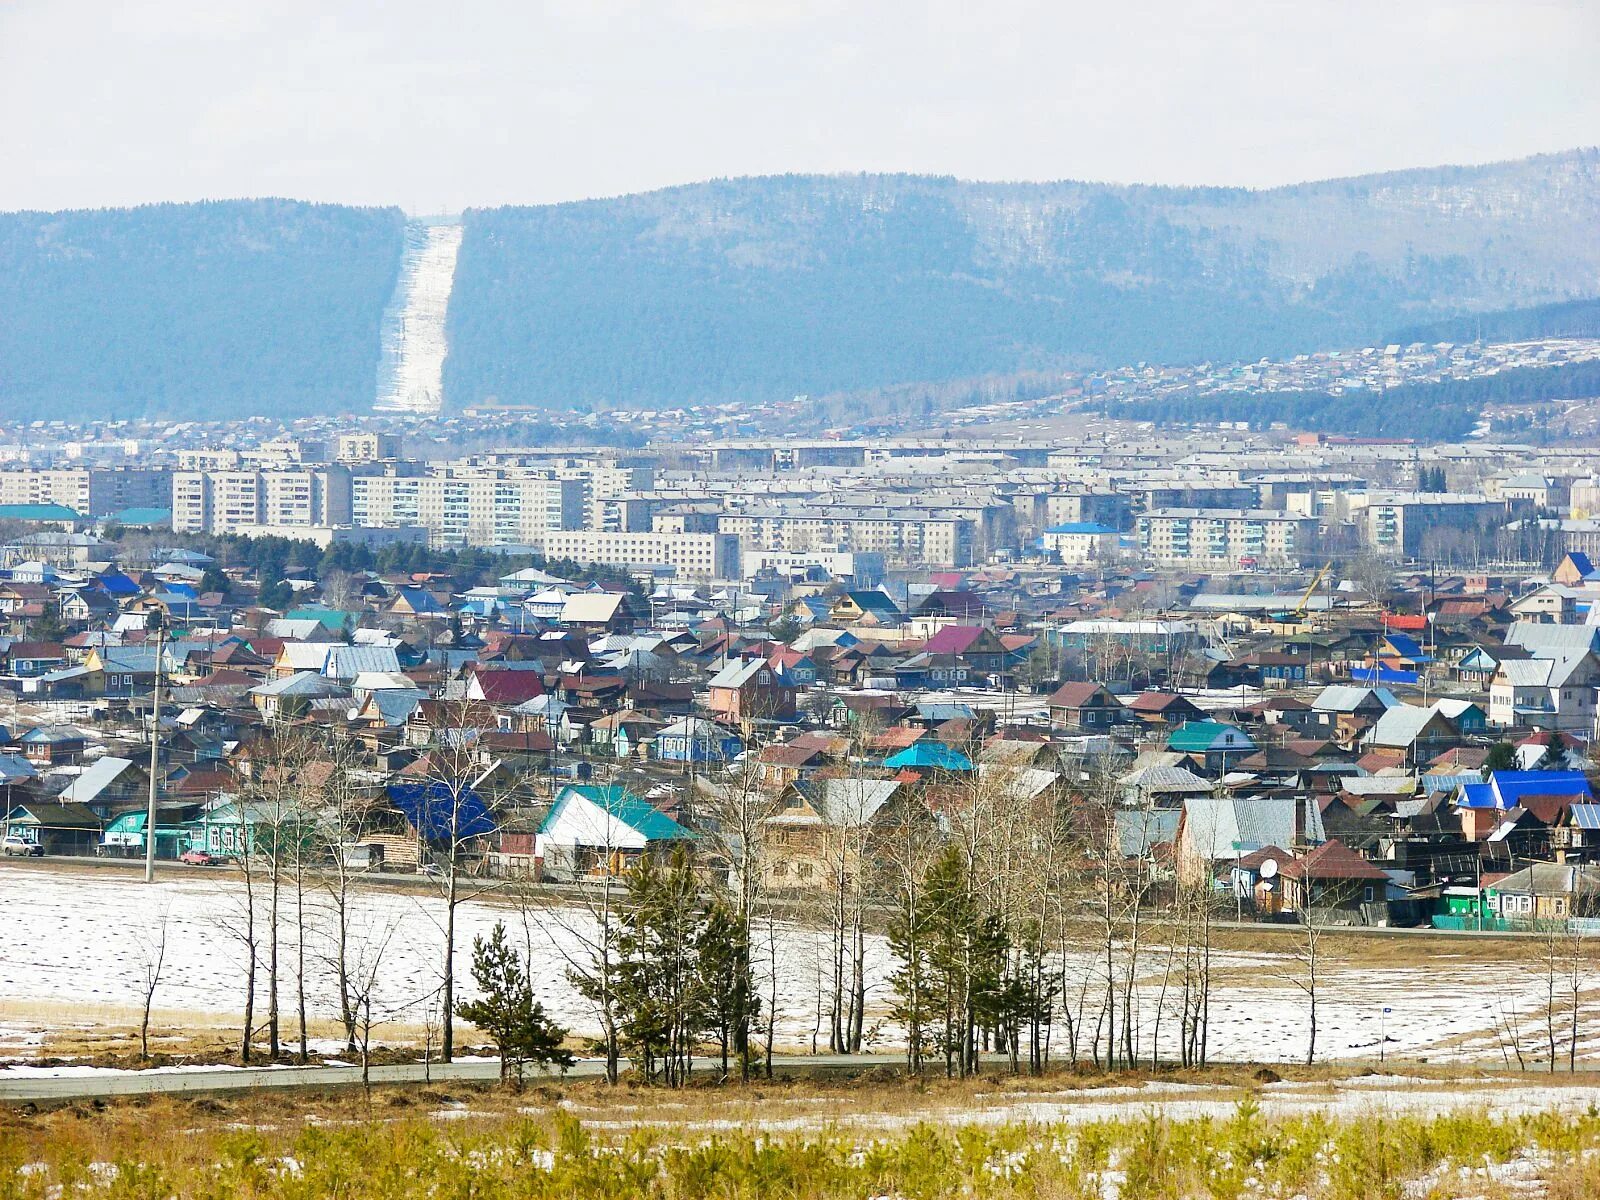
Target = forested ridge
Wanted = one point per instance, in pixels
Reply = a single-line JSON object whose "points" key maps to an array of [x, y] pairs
{"points": [[1423, 411], [215, 310], [760, 289], [764, 288]]}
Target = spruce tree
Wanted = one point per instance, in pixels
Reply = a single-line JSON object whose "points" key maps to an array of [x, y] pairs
{"points": [[506, 1010]]}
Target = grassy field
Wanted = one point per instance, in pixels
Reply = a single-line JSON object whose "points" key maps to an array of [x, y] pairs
{"points": [[1230, 1138]]}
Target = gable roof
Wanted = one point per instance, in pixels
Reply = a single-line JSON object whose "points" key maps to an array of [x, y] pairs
{"points": [[1332, 860], [624, 806]]}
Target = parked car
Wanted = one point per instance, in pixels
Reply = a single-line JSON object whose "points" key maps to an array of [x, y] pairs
{"points": [[17, 844], [199, 858]]}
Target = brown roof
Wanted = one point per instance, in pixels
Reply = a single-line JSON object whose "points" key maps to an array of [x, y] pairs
{"points": [[1076, 695], [1332, 860]]}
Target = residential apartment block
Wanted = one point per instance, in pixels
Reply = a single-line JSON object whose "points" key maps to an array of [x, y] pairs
{"points": [[221, 502], [92, 491], [487, 508], [1217, 538], [684, 555], [907, 536]]}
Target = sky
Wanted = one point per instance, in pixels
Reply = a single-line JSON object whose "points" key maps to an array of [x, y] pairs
{"points": [[446, 104]]}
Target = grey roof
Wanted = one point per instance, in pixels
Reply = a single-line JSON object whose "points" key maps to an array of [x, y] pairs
{"points": [[1539, 637], [95, 778], [16, 769], [1223, 828], [346, 662], [302, 683], [1140, 829], [1345, 697], [1155, 778], [849, 802], [1401, 725]]}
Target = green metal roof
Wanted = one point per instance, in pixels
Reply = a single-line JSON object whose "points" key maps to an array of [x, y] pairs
{"points": [[1197, 737], [38, 512], [622, 804]]}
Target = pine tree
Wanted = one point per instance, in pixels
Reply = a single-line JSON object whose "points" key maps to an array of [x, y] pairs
{"points": [[728, 982], [507, 1011]]}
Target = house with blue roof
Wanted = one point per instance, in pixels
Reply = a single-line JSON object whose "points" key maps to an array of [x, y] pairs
{"points": [[927, 757], [593, 830]]}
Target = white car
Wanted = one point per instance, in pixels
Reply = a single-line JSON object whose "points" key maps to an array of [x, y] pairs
{"points": [[16, 844]]}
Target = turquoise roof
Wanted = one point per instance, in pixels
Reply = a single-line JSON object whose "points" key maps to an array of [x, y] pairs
{"points": [[1197, 737], [622, 804], [929, 756], [38, 512]]}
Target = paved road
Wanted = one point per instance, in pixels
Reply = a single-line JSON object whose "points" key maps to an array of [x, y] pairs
{"points": [[52, 1089]]}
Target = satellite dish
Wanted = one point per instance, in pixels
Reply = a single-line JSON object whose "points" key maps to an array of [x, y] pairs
{"points": [[1269, 868]]}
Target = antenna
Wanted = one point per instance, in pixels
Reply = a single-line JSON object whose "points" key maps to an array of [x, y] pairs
{"points": [[1269, 868]]}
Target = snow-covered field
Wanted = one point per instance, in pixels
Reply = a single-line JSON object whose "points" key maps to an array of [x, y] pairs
{"points": [[73, 949]]}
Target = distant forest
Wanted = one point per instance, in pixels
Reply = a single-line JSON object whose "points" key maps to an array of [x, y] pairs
{"points": [[846, 289], [1424, 411], [1571, 318], [215, 310]]}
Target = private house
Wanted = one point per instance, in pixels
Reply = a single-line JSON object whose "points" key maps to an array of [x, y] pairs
{"points": [[927, 758], [1217, 831], [976, 646], [49, 745], [623, 732], [751, 689], [109, 785], [1545, 892], [1163, 709], [1414, 733], [1214, 744], [823, 827], [294, 695], [1085, 707], [27, 660], [856, 606], [1482, 807], [592, 831], [781, 764], [600, 612], [1332, 877], [695, 740], [1545, 693], [59, 828]]}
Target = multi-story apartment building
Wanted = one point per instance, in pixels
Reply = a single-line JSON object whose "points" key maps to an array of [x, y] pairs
{"points": [[365, 447], [1412, 524], [1226, 538], [91, 491], [903, 536], [485, 508], [220, 502], [684, 555]]}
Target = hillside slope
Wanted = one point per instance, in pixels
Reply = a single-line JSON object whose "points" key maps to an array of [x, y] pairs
{"points": [[762, 288], [221, 309]]}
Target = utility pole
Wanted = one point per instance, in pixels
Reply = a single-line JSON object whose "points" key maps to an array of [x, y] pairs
{"points": [[155, 756]]}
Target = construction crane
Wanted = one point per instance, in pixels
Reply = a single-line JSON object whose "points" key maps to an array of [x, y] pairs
{"points": [[1316, 582]]}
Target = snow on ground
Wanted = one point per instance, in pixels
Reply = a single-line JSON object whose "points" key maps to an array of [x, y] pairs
{"points": [[73, 953]]}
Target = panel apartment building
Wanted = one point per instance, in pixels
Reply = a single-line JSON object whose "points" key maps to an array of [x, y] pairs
{"points": [[904, 536], [234, 501], [698, 556], [90, 491], [489, 508], [1226, 538]]}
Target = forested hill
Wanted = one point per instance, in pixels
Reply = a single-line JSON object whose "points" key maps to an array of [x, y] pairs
{"points": [[222, 309], [762, 288]]}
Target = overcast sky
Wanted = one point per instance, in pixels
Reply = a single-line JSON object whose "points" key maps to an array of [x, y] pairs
{"points": [[443, 104]]}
